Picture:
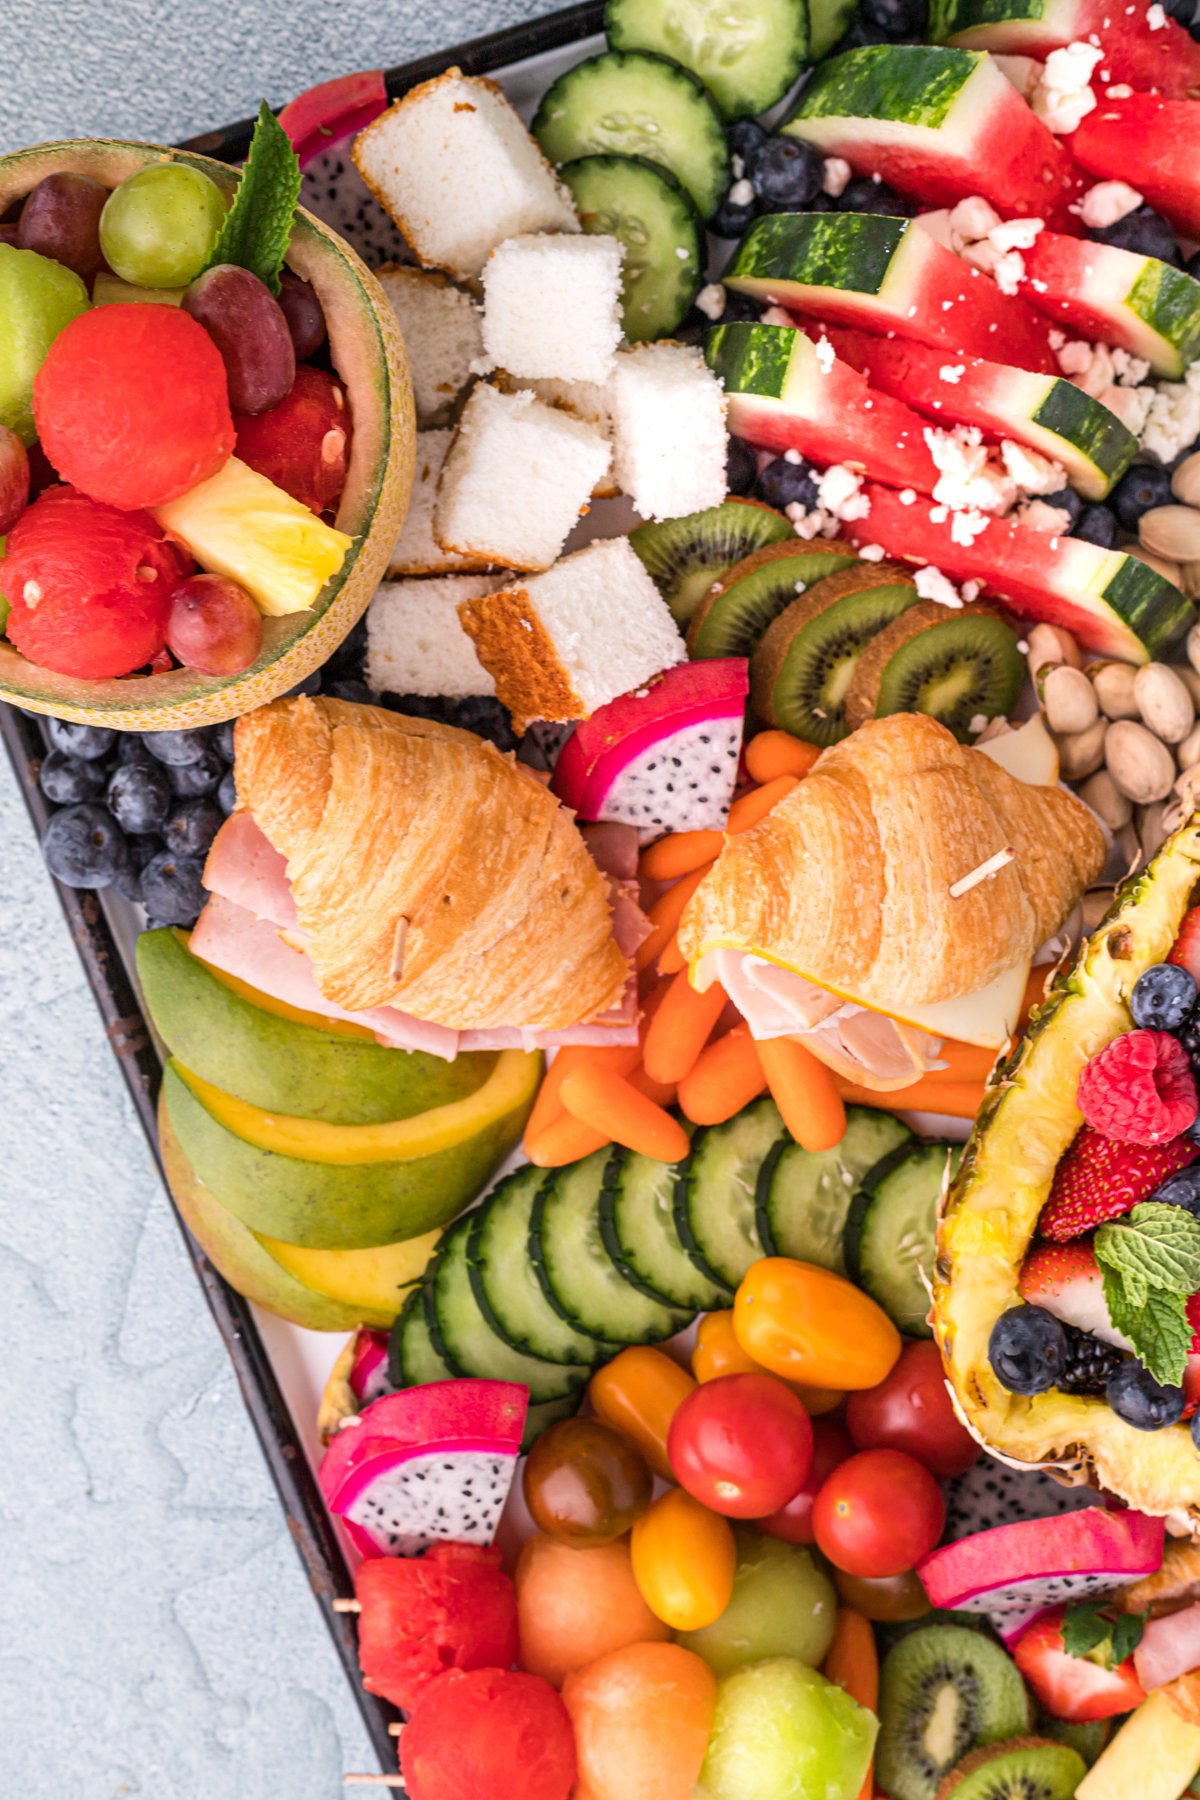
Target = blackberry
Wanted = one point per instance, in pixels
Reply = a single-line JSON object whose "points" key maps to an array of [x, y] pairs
{"points": [[1088, 1364]]}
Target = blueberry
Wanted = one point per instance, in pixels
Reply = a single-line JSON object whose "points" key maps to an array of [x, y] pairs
{"points": [[192, 827], [1139, 490], [785, 483], [141, 851], [1194, 1428], [178, 748], [172, 888], [66, 780], [84, 847], [785, 173], [483, 715], [1142, 1402], [898, 18], [1143, 231], [741, 466], [863, 195], [1163, 997], [223, 739], [139, 796], [1097, 525], [859, 35], [1182, 10], [132, 748], [1027, 1349], [227, 792], [310, 685], [738, 308], [355, 691], [1180, 1189], [200, 777], [1068, 501], [87, 742], [733, 218], [744, 136]]}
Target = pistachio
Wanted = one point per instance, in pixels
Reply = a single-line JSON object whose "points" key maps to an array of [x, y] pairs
{"points": [[1171, 531], [1105, 798], [1164, 702], [1068, 698], [1127, 849], [1113, 682], [1188, 752], [1082, 752], [1185, 482], [1048, 644], [1187, 785], [1191, 680], [1189, 579], [1140, 764], [1165, 566]]}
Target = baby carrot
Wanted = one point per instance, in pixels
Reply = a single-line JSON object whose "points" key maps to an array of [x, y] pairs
{"points": [[853, 1663], [610, 1104], [680, 1028], [758, 802], [803, 1089], [548, 1106], [964, 1062], [679, 854], [665, 915], [775, 753], [956, 1099], [564, 1140], [727, 1075], [661, 1092], [672, 958]]}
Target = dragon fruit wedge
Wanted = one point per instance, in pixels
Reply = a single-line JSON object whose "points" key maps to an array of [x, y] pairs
{"points": [[426, 1464], [663, 758], [369, 1370]]}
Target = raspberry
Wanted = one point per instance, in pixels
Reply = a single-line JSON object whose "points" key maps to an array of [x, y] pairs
{"points": [[1100, 1179], [1140, 1089]]}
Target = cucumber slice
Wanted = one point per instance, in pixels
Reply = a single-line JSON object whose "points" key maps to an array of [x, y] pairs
{"points": [[828, 22], [746, 52], [638, 105], [637, 1224], [804, 1197], [412, 1359], [891, 1230], [715, 1189], [503, 1280], [579, 1278], [644, 206], [464, 1339]]}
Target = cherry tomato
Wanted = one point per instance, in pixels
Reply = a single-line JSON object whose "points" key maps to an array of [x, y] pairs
{"points": [[910, 1410], [888, 1599], [793, 1520], [585, 1483], [638, 1393], [741, 1444], [878, 1514], [809, 1325], [718, 1352], [684, 1559]]}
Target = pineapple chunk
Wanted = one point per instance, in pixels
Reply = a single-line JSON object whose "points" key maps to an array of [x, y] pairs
{"points": [[239, 524], [1153, 1757]]}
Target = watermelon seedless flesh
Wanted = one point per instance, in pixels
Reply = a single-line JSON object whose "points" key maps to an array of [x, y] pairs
{"points": [[1111, 602], [937, 124], [1101, 292], [1044, 412], [786, 392], [1136, 52], [1152, 144], [886, 275]]}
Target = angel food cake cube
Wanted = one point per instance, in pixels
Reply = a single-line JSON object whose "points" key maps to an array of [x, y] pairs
{"points": [[552, 306], [457, 170], [417, 551], [415, 640], [668, 414], [566, 642], [442, 333], [517, 477]]}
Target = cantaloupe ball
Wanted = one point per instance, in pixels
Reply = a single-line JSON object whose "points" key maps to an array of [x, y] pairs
{"points": [[576, 1605], [641, 1717]]}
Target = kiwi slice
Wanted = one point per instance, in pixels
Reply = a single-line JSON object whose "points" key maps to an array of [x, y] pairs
{"points": [[683, 557], [734, 613], [943, 1691], [958, 666], [1088, 1737], [800, 673], [1025, 1769]]}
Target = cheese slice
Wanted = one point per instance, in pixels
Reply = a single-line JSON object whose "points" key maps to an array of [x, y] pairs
{"points": [[988, 1017]]}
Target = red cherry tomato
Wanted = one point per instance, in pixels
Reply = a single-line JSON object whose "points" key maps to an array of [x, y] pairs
{"points": [[793, 1520], [878, 1514], [741, 1445], [910, 1410]]}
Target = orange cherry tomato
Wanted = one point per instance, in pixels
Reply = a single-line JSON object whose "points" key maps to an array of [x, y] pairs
{"points": [[812, 1326], [718, 1353], [638, 1393], [684, 1559]]}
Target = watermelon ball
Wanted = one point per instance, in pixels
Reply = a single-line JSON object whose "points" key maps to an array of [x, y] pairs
{"points": [[303, 444], [132, 404], [488, 1731], [453, 1608], [89, 586]]}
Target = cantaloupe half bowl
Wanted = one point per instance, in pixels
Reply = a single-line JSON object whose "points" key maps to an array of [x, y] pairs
{"points": [[368, 354]]}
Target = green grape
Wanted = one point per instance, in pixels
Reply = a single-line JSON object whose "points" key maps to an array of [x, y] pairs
{"points": [[782, 1605], [37, 298], [159, 227], [782, 1732]]}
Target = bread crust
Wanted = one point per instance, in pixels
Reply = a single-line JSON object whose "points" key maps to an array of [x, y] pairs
{"points": [[518, 652]]}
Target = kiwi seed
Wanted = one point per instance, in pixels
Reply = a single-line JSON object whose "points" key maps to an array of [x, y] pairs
{"points": [[943, 1691]]}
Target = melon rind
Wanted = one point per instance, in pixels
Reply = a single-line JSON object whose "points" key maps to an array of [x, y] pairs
{"points": [[368, 354]]}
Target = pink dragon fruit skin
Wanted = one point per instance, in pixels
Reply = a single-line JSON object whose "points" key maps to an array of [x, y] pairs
{"points": [[663, 758], [368, 1372], [426, 1463]]}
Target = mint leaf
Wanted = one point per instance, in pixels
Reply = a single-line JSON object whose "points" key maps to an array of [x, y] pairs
{"points": [[1162, 1337], [1083, 1630], [1124, 1309], [258, 226], [1159, 1245], [1127, 1634]]}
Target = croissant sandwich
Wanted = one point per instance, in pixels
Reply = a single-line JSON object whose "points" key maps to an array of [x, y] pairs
{"points": [[893, 899], [407, 876]]}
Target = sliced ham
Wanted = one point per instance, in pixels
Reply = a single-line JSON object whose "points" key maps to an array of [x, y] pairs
{"points": [[1169, 1648], [244, 866], [613, 848]]}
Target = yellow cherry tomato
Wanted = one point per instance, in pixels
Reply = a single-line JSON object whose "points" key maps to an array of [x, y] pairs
{"points": [[638, 1393], [812, 1326], [683, 1561], [718, 1353]]}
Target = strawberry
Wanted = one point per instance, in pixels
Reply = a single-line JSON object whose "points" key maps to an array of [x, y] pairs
{"points": [[1100, 1178], [1077, 1689], [1186, 950], [1064, 1279]]}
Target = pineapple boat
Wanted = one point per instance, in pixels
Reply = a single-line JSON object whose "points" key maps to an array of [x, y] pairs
{"points": [[1067, 1283]]}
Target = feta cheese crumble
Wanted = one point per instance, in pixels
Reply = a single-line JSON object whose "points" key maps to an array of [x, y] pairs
{"points": [[1107, 202], [825, 354], [1032, 473], [835, 176], [839, 499], [711, 300], [968, 478], [952, 372], [931, 584], [1063, 97]]}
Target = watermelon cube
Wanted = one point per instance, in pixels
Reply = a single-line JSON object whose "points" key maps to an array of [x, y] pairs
{"points": [[886, 275], [1117, 297], [1142, 47], [786, 392], [1113, 603], [1043, 412], [937, 124], [1152, 144]]}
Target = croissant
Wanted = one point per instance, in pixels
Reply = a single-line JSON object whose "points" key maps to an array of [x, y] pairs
{"points": [[429, 872], [869, 878]]}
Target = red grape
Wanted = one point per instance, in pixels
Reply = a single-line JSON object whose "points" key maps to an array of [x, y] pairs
{"points": [[246, 323], [214, 626], [302, 310], [61, 219], [14, 479]]}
